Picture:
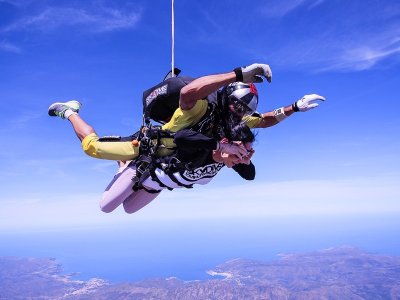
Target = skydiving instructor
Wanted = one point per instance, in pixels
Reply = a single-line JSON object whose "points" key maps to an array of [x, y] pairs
{"points": [[240, 100]]}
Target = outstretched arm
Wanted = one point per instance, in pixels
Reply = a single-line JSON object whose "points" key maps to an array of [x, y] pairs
{"points": [[304, 104], [203, 86]]}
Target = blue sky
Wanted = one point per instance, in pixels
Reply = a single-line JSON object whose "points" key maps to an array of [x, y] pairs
{"points": [[341, 158]]}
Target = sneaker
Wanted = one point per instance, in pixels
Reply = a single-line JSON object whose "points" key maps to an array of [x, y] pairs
{"points": [[59, 108]]}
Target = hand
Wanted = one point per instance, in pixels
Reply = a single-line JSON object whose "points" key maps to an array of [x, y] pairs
{"points": [[307, 102], [232, 148], [253, 73], [247, 159], [229, 160]]}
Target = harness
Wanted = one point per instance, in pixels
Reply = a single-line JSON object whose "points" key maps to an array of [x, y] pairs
{"points": [[150, 141], [159, 104], [147, 150]]}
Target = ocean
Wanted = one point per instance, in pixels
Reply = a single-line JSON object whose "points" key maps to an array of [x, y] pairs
{"points": [[187, 249]]}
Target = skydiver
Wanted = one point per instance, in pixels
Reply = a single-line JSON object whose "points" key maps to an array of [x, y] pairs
{"points": [[236, 101], [198, 163]]}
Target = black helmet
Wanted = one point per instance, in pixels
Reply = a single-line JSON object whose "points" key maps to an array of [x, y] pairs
{"points": [[243, 96]]}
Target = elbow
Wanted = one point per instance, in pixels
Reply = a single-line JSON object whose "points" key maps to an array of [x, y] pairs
{"points": [[250, 177], [188, 97], [185, 91]]}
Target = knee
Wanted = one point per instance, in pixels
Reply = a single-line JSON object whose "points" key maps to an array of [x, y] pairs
{"points": [[129, 209], [89, 145], [106, 205], [106, 208]]}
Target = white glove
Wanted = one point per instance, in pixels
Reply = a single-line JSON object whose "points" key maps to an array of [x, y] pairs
{"points": [[253, 73], [307, 102], [230, 148]]}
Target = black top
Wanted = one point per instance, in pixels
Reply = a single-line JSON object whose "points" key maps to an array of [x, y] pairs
{"points": [[196, 148]]}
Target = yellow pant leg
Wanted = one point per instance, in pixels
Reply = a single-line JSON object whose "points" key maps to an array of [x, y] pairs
{"points": [[120, 150], [109, 150]]}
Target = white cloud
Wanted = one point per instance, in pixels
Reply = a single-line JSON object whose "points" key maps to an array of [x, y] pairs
{"points": [[278, 9], [356, 38], [9, 47], [18, 2], [54, 168], [22, 121], [316, 3], [100, 19], [362, 55], [252, 200]]}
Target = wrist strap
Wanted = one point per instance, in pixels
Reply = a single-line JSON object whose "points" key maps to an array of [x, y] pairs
{"points": [[295, 107], [279, 114], [239, 74]]}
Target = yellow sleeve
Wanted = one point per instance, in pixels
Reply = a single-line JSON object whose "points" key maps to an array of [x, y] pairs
{"points": [[185, 118], [252, 122]]}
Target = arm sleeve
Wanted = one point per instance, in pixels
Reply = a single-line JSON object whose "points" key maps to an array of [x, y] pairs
{"points": [[253, 121], [182, 119], [247, 172], [189, 139]]}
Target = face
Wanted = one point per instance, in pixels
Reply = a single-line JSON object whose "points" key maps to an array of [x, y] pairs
{"points": [[238, 110]]}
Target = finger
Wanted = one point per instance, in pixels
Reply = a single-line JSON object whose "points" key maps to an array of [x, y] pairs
{"points": [[250, 155], [267, 72], [313, 101], [234, 150], [313, 105], [258, 78], [243, 152], [318, 97]]}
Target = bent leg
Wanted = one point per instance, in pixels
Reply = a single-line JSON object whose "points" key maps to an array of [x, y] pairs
{"points": [[91, 143], [81, 128], [118, 190]]}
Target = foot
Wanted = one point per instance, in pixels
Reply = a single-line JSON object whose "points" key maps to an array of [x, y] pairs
{"points": [[59, 108]]}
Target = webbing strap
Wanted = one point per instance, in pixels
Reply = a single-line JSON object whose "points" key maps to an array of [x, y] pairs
{"points": [[145, 163]]}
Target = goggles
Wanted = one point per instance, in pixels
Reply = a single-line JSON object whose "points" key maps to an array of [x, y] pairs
{"points": [[239, 108]]}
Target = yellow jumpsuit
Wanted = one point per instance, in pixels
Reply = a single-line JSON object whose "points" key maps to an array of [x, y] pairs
{"points": [[127, 150]]}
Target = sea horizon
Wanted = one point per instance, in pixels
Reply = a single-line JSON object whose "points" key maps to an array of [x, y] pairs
{"points": [[188, 249]]}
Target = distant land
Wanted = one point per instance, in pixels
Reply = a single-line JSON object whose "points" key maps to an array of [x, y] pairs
{"points": [[336, 273]]}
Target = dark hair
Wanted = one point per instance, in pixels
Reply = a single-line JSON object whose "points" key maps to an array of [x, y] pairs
{"points": [[241, 132]]}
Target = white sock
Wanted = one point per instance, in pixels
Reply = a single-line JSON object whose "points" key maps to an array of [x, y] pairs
{"points": [[68, 113]]}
